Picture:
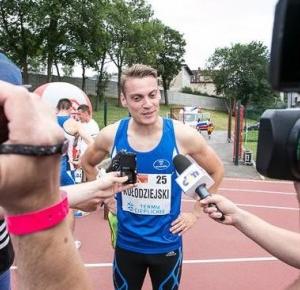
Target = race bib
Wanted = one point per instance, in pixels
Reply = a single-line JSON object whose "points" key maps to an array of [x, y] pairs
{"points": [[152, 196]]}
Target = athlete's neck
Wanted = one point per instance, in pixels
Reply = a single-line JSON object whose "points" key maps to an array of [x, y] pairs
{"points": [[144, 138]]}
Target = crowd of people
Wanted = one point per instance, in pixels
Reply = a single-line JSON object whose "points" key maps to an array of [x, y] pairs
{"points": [[34, 205]]}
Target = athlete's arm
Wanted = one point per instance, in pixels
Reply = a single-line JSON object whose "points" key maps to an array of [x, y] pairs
{"points": [[74, 127], [97, 151], [192, 143]]}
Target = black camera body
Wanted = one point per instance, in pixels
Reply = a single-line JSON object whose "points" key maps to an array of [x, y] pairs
{"points": [[278, 147], [125, 162], [285, 56]]}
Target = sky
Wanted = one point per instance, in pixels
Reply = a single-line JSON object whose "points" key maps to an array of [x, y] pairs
{"points": [[209, 24]]}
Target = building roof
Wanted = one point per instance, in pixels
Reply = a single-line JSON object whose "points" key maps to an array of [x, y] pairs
{"points": [[188, 69]]}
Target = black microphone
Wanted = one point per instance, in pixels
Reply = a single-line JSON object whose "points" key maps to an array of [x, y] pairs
{"points": [[192, 178]]}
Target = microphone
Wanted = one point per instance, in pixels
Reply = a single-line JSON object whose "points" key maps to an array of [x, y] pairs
{"points": [[193, 179]]}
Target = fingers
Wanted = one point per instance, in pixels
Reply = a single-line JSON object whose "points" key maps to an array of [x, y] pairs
{"points": [[120, 179], [124, 187], [114, 177], [110, 204], [8, 91], [214, 198], [183, 223]]}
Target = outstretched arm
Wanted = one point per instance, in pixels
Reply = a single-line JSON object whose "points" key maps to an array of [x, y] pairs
{"points": [[88, 196], [279, 242]]}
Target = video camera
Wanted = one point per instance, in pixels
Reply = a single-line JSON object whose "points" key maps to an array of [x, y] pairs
{"points": [[278, 148], [125, 162]]}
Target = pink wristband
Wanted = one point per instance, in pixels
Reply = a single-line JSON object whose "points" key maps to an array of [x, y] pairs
{"points": [[40, 220]]}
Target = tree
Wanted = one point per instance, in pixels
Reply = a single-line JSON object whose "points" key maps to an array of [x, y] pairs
{"points": [[170, 57], [123, 23], [53, 17], [147, 44], [240, 73], [18, 32]]}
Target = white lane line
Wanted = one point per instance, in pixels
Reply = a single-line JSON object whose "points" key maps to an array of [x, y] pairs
{"points": [[257, 191], [234, 260], [204, 261], [268, 206], [258, 180], [254, 205]]}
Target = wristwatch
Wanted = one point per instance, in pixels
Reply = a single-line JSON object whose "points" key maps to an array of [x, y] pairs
{"points": [[35, 150]]}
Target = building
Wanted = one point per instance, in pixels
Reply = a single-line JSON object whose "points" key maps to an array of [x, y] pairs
{"points": [[197, 80]]}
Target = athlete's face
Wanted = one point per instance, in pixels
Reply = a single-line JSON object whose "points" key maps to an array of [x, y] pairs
{"points": [[141, 97]]}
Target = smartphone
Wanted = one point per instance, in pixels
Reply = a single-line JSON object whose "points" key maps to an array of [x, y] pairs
{"points": [[125, 162]]}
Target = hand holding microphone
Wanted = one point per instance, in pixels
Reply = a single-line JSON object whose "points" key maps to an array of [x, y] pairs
{"points": [[193, 179]]}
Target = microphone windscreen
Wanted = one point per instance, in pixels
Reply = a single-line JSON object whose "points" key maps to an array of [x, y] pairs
{"points": [[181, 163]]}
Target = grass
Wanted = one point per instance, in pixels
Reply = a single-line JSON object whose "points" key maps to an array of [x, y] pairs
{"points": [[115, 113], [250, 142], [220, 120]]}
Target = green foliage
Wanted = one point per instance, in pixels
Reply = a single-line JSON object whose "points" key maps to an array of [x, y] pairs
{"points": [[240, 73], [41, 34], [67, 70], [189, 90], [52, 26], [88, 41], [125, 21], [19, 35], [170, 57]]}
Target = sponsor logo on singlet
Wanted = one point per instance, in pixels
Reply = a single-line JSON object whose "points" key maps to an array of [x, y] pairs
{"points": [[161, 164]]}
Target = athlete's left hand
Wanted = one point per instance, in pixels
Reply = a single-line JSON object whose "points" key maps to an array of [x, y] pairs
{"points": [[183, 223]]}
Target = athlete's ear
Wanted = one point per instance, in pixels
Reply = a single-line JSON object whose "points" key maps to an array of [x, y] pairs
{"points": [[123, 100]]}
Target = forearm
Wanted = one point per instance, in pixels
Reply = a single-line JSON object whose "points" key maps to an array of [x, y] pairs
{"points": [[43, 257], [48, 256], [80, 192], [279, 242], [217, 176], [197, 209], [90, 172], [89, 169]]}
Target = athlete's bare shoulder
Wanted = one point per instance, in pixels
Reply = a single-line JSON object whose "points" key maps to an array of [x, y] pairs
{"points": [[106, 136], [183, 131]]}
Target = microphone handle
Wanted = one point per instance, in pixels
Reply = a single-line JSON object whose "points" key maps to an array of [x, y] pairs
{"points": [[203, 193]]}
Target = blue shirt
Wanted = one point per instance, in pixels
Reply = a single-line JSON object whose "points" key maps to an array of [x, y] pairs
{"points": [[145, 213], [65, 174]]}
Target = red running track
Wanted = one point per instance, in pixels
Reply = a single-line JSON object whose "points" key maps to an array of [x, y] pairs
{"points": [[215, 256]]}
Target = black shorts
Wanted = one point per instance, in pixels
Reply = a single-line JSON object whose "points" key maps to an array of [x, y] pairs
{"points": [[130, 268]]}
